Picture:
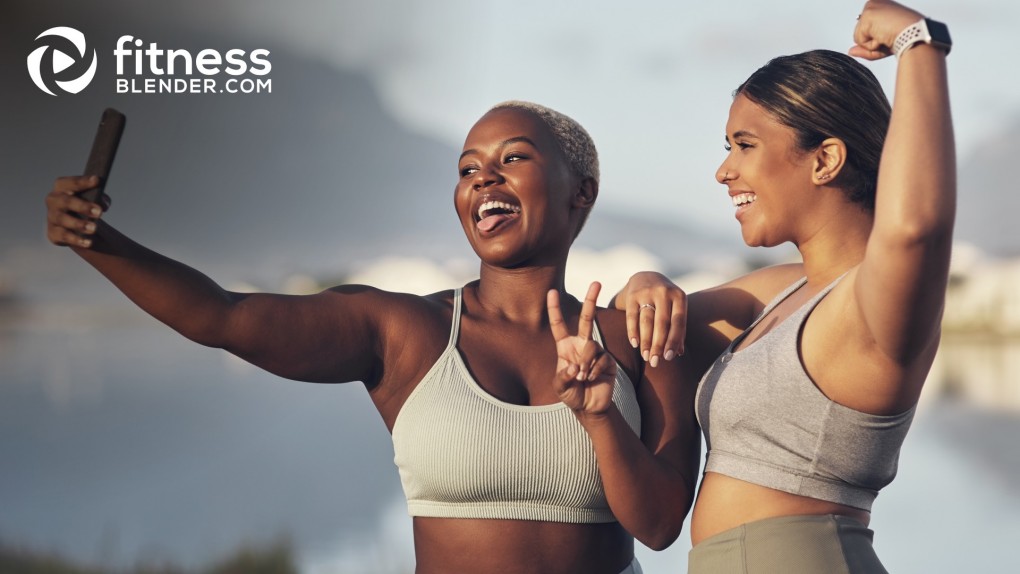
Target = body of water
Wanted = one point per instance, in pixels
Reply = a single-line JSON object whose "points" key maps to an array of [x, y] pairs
{"points": [[122, 443]]}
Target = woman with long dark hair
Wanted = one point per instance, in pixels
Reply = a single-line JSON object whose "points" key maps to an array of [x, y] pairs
{"points": [[814, 369]]}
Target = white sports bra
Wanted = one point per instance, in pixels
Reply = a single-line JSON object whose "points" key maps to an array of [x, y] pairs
{"points": [[463, 453]]}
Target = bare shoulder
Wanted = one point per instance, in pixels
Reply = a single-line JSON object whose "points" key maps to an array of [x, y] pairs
{"points": [[411, 332], [764, 283], [383, 307], [733, 305]]}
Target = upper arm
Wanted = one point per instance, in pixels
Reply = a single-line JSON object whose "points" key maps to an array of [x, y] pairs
{"points": [[333, 336], [899, 293], [669, 428], [718, 314]]}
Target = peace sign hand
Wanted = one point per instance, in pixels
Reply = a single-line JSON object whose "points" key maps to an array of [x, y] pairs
{"points": [[585, 372]]}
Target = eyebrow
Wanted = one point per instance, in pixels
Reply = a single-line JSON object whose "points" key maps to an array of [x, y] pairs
{"points": [[741, 134], [503, 143]]}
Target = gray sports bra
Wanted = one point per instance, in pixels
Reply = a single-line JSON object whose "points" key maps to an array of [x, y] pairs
{"points": [[766, 422], [463, 453]]}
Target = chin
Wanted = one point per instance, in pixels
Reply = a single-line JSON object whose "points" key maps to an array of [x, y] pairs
{"points": [[750, 240]]}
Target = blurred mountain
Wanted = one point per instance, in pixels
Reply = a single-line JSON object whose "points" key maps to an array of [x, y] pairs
{"points": [[314, 168], [990, 195], [315, 176]]}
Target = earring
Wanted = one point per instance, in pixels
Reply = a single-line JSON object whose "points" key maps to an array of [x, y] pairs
{"points": [[824, 176]]}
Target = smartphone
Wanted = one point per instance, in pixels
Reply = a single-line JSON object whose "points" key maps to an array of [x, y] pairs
{"points": [[104, 148]]}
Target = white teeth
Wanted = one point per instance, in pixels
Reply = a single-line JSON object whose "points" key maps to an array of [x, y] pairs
{"points": [[490, 205], [743, 199]]}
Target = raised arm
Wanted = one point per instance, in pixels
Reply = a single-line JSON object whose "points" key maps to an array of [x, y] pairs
{"points": [[328, 337], [649, 481], [900, 286]]}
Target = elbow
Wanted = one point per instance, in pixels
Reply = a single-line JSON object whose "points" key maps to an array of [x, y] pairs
{"points": [[934, 232], [205, 337], [919, 224], [661, 539], [207, 329], [659, 544], [663, 533]]}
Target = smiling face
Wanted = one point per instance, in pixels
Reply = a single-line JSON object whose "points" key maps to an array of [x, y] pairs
{"points": [[767, 175], [516, 193]]}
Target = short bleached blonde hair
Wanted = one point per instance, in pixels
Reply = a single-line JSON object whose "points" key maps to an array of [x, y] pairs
{"points": [[573, 139]]}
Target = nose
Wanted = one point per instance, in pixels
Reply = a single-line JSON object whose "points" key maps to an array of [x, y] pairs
{"points": [[725, 174], [487, 176]]}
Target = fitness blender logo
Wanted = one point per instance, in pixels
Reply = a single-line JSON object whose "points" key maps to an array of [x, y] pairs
{"points": [[63, 63], [149, 69]]}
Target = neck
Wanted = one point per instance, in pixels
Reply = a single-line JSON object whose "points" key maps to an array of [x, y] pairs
{"points": [[519, 295], [836, 246]]}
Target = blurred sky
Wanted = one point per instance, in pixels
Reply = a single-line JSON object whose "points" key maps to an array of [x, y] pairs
{"points": [[651, 80]]}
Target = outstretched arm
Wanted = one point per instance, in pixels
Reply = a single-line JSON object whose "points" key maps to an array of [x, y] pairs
{"points": [[327, 337], [900, 286], [649, 481]]}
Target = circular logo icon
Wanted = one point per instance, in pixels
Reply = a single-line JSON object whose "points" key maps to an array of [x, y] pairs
{"points": [[61, 63]]}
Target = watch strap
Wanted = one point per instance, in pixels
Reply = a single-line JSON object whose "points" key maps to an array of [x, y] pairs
{"points": [[914, 34]]}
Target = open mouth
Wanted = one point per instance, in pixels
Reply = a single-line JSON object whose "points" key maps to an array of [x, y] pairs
{"points": [[743, 199], [493, 213]]}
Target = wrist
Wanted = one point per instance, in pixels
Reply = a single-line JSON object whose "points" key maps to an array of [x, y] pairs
{"points": [[592, 421], [923, 31]]}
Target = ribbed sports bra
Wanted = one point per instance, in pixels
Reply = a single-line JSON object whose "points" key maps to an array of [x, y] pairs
{"points": [[766, 422], [463, 453]]}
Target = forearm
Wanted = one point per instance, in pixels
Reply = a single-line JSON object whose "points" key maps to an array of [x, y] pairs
{"points": [[179, 296], [649, 497]]}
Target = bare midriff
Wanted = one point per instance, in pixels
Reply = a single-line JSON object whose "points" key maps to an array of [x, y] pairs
{"points": [[444, 545], [725, 502]]}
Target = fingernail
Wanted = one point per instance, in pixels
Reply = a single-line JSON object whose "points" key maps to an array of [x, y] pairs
{"points": [[669, 355], [644, 355], [655, 361], [96, 211], [86, 242], [90, 227], [634, 343], [581, 376]]}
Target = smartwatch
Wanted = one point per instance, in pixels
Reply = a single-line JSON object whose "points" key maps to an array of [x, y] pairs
{"points": [[924, 30]]}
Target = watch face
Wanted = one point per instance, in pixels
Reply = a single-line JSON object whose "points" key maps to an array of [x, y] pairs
{"points": [[939, 33]]}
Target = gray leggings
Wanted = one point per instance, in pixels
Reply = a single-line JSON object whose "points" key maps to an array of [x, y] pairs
{"points": [[829, 544]]}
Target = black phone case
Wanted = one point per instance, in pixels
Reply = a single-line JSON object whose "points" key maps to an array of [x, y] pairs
{"points": [[104, 148]]}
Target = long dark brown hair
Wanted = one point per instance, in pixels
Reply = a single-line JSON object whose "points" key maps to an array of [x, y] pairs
{"points": [[822, 94]]}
